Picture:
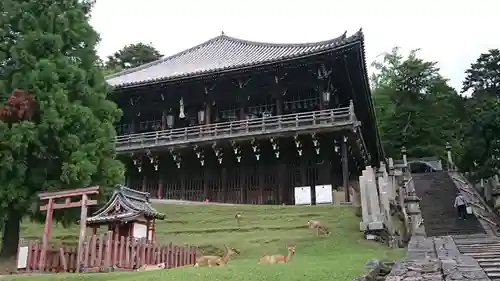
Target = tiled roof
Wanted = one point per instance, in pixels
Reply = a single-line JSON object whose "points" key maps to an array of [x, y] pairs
{"points": [[133, 204], [223, 53]]}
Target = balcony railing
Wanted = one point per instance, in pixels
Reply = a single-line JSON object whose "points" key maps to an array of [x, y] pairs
{"points": [[330, 118]]}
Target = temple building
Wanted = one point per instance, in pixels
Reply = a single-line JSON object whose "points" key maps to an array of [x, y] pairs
{"points": [[127, 213], [231, 120]]}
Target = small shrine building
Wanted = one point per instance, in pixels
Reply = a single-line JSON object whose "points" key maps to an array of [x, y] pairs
{"points": [[127, 213]]}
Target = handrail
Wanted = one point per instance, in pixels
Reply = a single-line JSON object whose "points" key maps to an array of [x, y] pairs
{"points": [[241, 127]]}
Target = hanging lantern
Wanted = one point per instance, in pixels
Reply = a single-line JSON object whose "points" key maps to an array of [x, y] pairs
{"points": [[181, 109], [170, 121], [326, 97], [201, 116]]}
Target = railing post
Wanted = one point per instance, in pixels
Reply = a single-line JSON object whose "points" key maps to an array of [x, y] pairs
{"points": [[156, 137], [246, 125], [280, 122], [352, 114], [263, 123], [186, 133], [296, 120], [230, 128], [314, 117]]}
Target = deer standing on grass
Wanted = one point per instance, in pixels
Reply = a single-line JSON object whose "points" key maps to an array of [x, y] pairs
{"points": [[237, 217], [272, 259], [318, 226], [149, 267], [216, 260]]}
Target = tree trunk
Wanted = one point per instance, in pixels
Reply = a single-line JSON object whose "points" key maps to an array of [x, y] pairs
{"points": [[10, 238]]}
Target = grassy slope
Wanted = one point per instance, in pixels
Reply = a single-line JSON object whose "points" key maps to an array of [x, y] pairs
{"points": [[264, 230]]}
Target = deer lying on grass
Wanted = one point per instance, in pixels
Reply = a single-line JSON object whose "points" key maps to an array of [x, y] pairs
{"points": [[318, 226], [272, 259], [149, 267], [216, 260]]}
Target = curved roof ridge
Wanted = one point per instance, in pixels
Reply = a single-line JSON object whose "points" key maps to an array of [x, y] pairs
{"points": [[286, 45]]}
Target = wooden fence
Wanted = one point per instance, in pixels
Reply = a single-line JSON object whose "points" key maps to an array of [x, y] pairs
{"points": [[104, 252]]}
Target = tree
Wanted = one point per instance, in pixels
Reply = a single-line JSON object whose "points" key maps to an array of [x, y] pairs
{"points": [[483, 76], [481, 142], [56, 127], [415, 106], [132, 55]]}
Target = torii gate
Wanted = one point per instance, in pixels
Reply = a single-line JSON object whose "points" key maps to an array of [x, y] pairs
{"points": [[51, 205]]}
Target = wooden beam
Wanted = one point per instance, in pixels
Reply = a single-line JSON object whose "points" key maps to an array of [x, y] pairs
{"points": [[46, 236], [67, 193], [56, 206], [83, 227]]}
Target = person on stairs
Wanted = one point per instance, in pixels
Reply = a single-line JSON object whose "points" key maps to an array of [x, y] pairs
{"points": [[461, 206]]}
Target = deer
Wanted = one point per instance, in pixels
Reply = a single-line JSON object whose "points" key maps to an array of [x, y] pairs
{"points": [[237, 217], [216, 260], [149, 267], [318, 226], [272, 259]]}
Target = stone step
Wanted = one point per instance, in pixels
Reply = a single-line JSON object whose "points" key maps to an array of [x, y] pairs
{"points": [[480, 260], [482, 254], [491, 270], [490, 264]]}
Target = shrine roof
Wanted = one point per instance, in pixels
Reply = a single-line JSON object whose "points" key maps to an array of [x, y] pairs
{"points": [[124, 205], [224, 53]]}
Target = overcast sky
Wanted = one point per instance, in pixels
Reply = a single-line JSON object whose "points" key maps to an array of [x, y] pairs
{"points": [[453, 33]]}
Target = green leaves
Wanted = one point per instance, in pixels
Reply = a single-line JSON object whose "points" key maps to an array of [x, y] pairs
{"points": [[130, 56], [415, 106], [48, 50]]}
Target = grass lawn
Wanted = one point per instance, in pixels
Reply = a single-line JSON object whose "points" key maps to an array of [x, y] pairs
{"points": [[264, 230]]}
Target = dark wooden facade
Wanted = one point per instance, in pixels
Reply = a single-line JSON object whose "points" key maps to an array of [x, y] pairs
{"points": [[244, 122]]}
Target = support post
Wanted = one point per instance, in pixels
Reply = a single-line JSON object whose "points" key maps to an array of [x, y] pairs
{"points": [[46, 234], [161, 187], [224, 184], [243, 190], [345, 170], [144, 183], [206, 178], [83, 227]]}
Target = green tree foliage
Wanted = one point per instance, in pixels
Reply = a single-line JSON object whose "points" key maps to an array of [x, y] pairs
{"points": [[415, 106], [47, 50], [130, 56], [483, 76], [481, 142]]}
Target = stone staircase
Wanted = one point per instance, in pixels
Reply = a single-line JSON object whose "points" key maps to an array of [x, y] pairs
{"points": [[485, 250], [437, 192]]}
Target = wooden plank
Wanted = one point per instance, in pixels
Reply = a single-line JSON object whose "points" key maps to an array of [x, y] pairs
{"points": [[63, 260], [83, 227], [66, 193], [56, 206], [46, 236]]}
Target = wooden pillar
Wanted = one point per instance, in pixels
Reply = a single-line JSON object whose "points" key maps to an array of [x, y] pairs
{"points": [[183, 183], [281, 182], [243, 186], [345, 170], [224, 184], [208, 113], [161, 186], [279, 105], [144, 183], [83, 227], [206, 179], [148, 228], [262, 182], [46, 234]]}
